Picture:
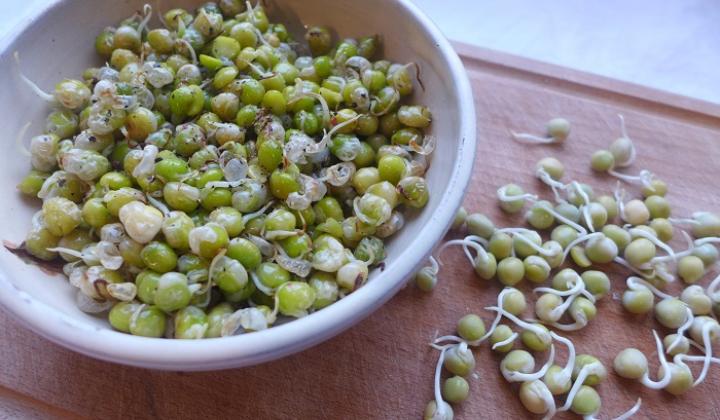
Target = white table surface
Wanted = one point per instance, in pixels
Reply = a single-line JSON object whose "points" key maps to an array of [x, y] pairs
{"points": [[672, 45]]}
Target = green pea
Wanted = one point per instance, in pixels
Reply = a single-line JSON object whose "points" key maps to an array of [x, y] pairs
{"points": [[130, 251], [32, 183], [455, 389], [172, 292], [62, 123], [121, 314], [104, 42], [283, 183], [191, 323], [328, 208], [149, 322], [61, 215], [391, 168], [244, 251], [212, 198], [513, 205], [533, 341], [39, 240], [639, 252], [319, 40], [413, 191], [325, 287], [639, 300], [500, 245], [596, 282], [206, 241], [215, 319], [602, 161], [414, 116], [658, 207], [295, 298], [471, 327], [522, 248], [502, 333], [77, 240], [586, 401], [272, 275], [538, 217], [690, 268], [510, 271], [147, 284], [620, 236], [230, 275], [159, 256], [181, 196], [564, 235], [280, 219], [663, 228], [365, 156]]}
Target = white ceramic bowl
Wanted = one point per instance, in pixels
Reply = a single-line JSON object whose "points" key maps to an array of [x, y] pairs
{"points": [[58, 42]]}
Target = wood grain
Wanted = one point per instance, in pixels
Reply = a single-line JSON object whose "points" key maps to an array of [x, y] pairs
{"points": [[383, 367]]}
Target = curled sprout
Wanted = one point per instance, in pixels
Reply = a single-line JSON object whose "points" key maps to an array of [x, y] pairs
{"points": [[516, 376], [510, 339], [689, 318], [712, 289], [542, 333], [581, 230], [646, 274], [20, 143], [146, 166], [579, 240], [442, 406], [339, 174], [674, 256], [548, 180], [665, 380], [518, 233], [265, 247], [252, 319], [594, 368], [147, 14], [158, 205], [634, 283], [467, 243], [505, 198], [188, 47], [34, 87], [316, 96], [565, 375], [269, 291], [297, 266], [426, 148], [644, 178], [586, 203], [652, 238], [631, 412], [708, 326], [322, 144]]}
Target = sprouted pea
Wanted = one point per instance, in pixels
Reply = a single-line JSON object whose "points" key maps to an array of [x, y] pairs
{"points": [[557, 131], [438, 409], [632, 364]]}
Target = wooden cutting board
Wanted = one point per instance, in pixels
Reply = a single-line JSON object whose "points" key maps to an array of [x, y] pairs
{"points": [[383, 367]]}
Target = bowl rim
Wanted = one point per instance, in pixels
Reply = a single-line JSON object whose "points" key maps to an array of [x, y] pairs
{"points": [[281, 340]]}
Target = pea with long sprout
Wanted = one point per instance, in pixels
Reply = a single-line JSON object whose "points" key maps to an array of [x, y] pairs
{"points": [[557, 131]]}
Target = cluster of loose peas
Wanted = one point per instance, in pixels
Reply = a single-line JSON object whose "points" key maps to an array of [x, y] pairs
{"points": [[590, 231], [215, 173]]}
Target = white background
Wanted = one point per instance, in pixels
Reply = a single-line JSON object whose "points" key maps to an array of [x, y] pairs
{"points": [[673, 45]]}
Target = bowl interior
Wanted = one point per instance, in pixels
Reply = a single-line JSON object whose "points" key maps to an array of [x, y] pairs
{"points": [[59, 43]]}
